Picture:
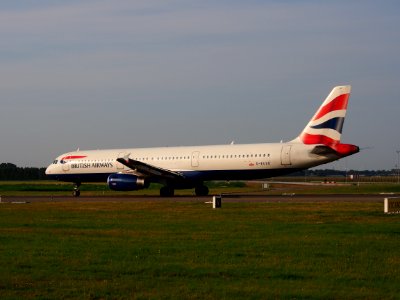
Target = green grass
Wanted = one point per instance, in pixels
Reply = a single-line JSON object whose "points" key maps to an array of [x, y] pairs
{"points": [[170, 250], [55, 188], [363, 188]]}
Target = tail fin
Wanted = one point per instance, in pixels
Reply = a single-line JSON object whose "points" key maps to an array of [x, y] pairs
{"points": [[325, 127]]}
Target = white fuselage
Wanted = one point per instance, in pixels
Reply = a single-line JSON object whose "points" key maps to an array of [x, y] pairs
{"points": [[219, 162]]}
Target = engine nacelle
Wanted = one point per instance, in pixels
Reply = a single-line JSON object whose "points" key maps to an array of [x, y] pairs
{"points": [[126, 182]]}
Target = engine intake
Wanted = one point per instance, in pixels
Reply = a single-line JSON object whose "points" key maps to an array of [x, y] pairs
{"points": [[126, 182]]}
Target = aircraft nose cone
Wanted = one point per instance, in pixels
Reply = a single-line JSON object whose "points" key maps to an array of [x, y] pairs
{"points": [[48, 170]]}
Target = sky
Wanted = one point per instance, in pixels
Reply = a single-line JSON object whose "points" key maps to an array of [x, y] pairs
{"points": [[94, 74]]}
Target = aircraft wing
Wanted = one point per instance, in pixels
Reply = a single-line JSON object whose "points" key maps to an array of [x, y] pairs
{"points": [[148, 170]]}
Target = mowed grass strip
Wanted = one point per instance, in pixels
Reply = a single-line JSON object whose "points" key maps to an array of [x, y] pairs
{"points": [[55, 188], [175, 250]]}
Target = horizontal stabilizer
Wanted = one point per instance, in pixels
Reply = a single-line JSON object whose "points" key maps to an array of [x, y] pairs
{"points": [[339, 149]]}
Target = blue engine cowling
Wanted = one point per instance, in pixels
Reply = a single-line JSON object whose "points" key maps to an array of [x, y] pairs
{"points": [[126, 182]]}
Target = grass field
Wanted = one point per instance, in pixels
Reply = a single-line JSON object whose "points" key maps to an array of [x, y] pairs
{"points": [[175, 250], [55, 188]]}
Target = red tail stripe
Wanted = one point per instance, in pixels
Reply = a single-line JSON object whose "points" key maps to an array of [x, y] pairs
{"points": [[339, 103], [313, 139], [346, 149], [73, 157]]}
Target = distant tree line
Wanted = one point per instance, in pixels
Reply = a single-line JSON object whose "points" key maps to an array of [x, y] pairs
{"points": [[331, 172], [9, 171]]}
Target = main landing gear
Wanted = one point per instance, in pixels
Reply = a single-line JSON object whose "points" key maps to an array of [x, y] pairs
{"points": [[167, 191], [76, 192], [201, 190]]}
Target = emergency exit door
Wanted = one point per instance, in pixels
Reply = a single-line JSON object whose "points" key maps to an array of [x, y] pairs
{"points": [[285, 155]]}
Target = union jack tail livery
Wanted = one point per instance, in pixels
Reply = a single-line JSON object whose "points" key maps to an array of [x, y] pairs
{"points": [[325, 127]]}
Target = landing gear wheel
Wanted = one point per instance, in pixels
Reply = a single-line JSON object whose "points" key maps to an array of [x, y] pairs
{"points": [[201, 190], [76, 192], [167, 191]]}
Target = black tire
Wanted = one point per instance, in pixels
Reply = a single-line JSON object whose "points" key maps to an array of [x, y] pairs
{"points": [[167, 191], [76, 193], [201, 190]]}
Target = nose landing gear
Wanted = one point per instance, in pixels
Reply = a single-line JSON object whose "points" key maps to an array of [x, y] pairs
{"points": [[76, 192]]}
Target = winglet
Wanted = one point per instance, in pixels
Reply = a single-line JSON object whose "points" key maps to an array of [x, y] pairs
{"points": [[126, 157]]}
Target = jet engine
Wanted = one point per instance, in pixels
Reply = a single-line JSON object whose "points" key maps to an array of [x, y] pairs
{"points": [[126, 182]]}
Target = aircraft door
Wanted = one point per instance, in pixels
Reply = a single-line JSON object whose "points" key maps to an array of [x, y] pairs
{"points": [[195, 159], [285, 155]]}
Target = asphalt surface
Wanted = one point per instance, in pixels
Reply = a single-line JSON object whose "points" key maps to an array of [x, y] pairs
{"points": [[231, 198]]}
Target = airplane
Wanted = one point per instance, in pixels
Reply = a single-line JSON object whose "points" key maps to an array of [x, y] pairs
{"points": [[189, 167]]}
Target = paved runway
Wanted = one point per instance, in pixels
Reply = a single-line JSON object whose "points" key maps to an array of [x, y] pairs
{"points": [[289, 198]]}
